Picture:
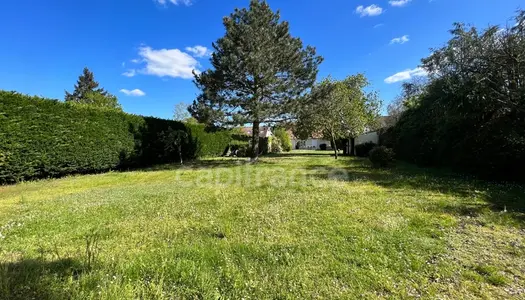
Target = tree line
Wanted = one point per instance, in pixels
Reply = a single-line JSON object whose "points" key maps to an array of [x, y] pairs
{"points": [[470, 112]]}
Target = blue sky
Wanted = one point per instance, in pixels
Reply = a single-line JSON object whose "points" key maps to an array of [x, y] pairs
{"points": [[143, 51]]}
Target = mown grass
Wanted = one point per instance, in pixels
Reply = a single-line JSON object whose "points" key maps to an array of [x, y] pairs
{"points": [[300, 225]]}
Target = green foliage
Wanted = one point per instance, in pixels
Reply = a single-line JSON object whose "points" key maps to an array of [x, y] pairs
{"points": [[275, 144], [284, 139], [87, 92], [339, 109], [259, 71], [264, 146], [471, 113], [323, 147], [209, 141], [363, 150], [381, 157], [241, 151], [100, 100], [174, 140], [47, 138], [240, 143]]}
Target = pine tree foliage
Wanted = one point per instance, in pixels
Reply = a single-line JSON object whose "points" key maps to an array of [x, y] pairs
{"points": [[259, 71], [87, 92]]}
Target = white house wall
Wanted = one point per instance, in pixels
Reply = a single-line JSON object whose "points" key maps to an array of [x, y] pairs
{"points": [[310, 143], [367, 137], [315, 143]]}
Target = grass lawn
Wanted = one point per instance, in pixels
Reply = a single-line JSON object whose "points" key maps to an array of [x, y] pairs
{"points": [[299, 225]]}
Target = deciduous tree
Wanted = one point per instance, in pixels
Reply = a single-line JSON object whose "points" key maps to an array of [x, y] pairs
{"points": [[339, 110], [173, 140], [471, 114], [181, 112]]}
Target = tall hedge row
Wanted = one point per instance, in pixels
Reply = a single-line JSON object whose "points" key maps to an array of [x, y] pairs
{"points": [[470, 112], [47, 138]]}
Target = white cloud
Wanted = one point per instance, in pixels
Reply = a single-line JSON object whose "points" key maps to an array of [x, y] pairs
{"points": [[370, 11], [130, 73], [199, 51], [175, 2], [168, 62], [378, 25], [399, 3], [406, 75], [400, 40], [135, 92], [135, 60]]}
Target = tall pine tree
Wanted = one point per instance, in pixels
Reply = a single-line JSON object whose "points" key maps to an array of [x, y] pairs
{"points": [[87, 92], [259, 72], [85, 84]]}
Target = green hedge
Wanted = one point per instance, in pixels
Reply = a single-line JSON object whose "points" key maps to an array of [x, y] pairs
{"points": [[209, 141], [47, 138]]}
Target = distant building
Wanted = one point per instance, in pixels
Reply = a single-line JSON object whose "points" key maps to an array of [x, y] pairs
{"points": [[316, 140], [264, 131]]}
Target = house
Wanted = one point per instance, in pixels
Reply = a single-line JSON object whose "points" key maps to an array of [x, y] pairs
{"points": [[264, 131], [372, 135], [314, 142]]}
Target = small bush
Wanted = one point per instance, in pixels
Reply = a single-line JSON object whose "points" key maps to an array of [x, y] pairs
{"points": [[284, 139], [381, 157], [275, 145], [363, 150], [323, 147]]}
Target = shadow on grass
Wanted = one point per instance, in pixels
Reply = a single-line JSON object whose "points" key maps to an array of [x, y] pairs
{"points": [[301, 153], [498, 197], [36, 279], [226, 162]]}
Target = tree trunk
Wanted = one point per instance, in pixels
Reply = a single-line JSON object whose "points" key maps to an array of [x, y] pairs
{"points": [[255, 142], [335, 146], [352, 146], [180, 154]]}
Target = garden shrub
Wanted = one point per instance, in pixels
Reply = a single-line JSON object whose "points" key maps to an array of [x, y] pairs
{"points": [[47, 138], [275, 145], [284, 139], [323, 147], [381, 157], [363, 150]]}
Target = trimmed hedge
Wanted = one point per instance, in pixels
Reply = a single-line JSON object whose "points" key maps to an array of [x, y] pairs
{"points": [[208, 141], [47, 138], [362, 150]]}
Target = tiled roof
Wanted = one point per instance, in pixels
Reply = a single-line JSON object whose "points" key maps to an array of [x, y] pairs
{"points": [[264, 131]]}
